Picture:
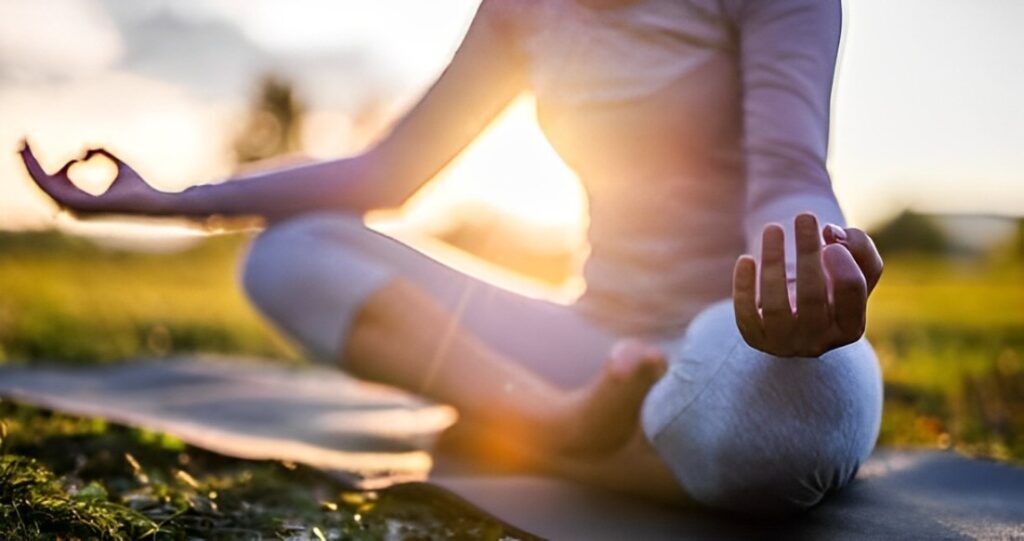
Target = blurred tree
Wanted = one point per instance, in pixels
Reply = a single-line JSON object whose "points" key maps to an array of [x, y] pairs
{"points": [[911, 232], [274, 126]]}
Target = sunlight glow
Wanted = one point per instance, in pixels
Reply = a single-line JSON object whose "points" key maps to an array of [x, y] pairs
{"points": [[512, 175], [511, 167]]}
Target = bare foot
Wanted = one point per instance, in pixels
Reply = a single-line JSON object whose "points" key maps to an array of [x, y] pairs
{"points": [[602, 416], [592, 422]]}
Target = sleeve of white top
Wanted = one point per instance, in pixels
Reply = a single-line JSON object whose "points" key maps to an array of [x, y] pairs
{"points": [[788, 54]]}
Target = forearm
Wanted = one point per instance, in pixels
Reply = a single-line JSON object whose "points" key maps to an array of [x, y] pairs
{"points": [[354, 184], [787, 61], [487, 72]]}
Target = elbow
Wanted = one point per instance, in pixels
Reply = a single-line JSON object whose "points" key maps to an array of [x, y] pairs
{"points": [[388, 203], [359, 200], [385, 196]]}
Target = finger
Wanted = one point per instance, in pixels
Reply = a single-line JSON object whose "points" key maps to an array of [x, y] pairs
{"points": [[811, 289], [834, 234], [32, 164], [744, 298], [866, 255], [54, 186], [775, 308], [103, 152], [63, 172], [862, 248], [849, 291]]}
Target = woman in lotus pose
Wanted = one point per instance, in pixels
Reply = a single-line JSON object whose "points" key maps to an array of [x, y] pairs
{"points": [[699, 129]]}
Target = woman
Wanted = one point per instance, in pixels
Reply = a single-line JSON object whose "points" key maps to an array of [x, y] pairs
{"points": [[699, 128]]}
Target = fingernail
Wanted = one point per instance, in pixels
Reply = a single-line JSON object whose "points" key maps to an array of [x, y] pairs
{"points": [[835, 233], [805, 218]]}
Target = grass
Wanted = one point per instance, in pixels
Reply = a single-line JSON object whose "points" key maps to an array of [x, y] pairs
{"points": [[68, 477], [950, 337], [65, 300]]}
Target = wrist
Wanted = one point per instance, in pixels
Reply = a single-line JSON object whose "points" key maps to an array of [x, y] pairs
{"points": [[190, 202], [163, 204]]}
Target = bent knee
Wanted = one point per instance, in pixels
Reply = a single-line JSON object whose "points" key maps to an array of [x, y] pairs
{"points": [[777, 488], [307, 278], [280, 257], [759, 458], [759, 434]]}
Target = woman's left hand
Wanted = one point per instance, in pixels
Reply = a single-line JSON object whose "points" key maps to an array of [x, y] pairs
{"points": [[831, 290]]}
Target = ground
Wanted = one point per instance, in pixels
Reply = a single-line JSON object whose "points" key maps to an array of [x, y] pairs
{"points": [[950, 336]]}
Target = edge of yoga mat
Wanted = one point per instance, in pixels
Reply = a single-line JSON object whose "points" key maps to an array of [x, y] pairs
{"points": [[152, 394], [898, 495]]}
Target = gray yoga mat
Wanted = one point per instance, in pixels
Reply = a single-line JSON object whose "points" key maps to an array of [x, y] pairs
{"points": [[374, 436], [915, 495], [370, 435]]}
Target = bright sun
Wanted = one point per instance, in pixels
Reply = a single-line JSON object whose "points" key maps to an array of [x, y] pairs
{"points": [[512, 172], [512, 168]]}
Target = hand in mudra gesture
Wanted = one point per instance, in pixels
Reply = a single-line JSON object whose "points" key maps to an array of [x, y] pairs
{"points": [[831, 290], [128, 193]]}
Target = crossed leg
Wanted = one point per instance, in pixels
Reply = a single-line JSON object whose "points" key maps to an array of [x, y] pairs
{"points": [[532, 374], [729, 426]]}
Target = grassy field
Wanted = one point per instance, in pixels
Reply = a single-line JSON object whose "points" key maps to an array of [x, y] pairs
{"points": [[950, 336]]}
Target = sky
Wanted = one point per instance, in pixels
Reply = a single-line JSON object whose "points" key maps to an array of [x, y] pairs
{"points": [[927, 112]]}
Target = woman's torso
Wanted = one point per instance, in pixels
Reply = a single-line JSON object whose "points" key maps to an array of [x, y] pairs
{"points": [[643, 102]]}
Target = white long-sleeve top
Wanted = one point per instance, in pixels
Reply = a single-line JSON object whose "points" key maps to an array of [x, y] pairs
{"points": [[692, 124]]}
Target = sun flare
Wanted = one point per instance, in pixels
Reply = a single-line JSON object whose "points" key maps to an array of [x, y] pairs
{"points": [[511, 168], [525, 203]]}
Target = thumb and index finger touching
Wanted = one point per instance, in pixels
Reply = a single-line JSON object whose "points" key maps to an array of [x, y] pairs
{"points": [[36, 170], [60, 178], [861, 247]]}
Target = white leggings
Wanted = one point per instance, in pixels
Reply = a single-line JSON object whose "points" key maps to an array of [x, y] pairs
{"points": [[740, 429]]}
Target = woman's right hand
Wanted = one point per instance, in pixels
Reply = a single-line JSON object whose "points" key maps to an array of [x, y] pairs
{"points": [[128, 194]]}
